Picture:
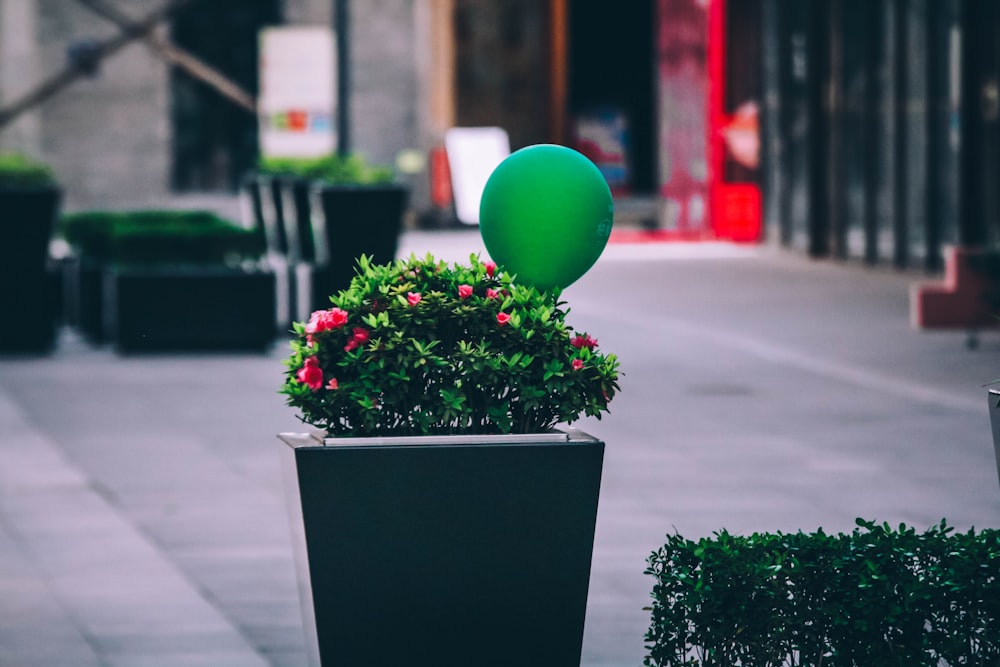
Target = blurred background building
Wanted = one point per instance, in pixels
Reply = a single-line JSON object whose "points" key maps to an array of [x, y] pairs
{"points": [[880, 127], [848, 128]]}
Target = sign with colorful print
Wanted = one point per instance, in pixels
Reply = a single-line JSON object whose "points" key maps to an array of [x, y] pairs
{"points": [[297, 91]]}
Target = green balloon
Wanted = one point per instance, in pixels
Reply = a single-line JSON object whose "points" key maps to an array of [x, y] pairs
{"points": [[545, 215]]}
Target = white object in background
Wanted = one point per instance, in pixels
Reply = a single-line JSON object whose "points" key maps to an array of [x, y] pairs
{"points": [[473, 154], [297, 84]]}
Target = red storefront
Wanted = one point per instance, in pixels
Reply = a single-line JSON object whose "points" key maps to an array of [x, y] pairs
{"points": [[707, 57], [662, 94]]}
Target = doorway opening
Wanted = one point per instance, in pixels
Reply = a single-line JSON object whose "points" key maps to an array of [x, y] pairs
{"points": [[214, 141], [611, 91], [502, 68]]}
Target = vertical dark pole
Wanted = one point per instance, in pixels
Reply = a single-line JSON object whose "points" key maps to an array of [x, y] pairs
{"points": [[970, 163], [977, 208], [937, 102], [342, 19], [874, 130], [900, 236], [836, 155], [797, 131], [772, 183], [988, 104], [818, 81]]}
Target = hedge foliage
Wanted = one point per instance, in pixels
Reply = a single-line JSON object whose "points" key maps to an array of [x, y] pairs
{"points": [[329, 169], [876, 597], [153, 237], [20, 171]]}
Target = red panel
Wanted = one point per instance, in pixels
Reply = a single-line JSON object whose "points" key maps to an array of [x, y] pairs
{"points": [[440, 172], [698, 134], [682, 76], [716, 90], [736, 211], [735, 208]]}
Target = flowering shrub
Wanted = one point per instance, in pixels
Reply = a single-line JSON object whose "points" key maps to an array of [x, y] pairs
{"points": [[420, 347]]}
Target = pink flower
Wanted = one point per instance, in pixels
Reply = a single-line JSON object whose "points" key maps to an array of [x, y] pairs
{"points": [[491, 268], [338, 317], [332, 384], [464, 291], [359, 338], [311, 374], [324, 320], [491, 293], [503, 318], [413, 298], [583, 341], [577, 364]]}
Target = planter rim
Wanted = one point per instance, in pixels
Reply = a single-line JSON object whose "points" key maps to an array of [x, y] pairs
{"points": [[316, 439], [995, 391]]}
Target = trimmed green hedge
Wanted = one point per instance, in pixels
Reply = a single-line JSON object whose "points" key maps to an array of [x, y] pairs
{"points": [[159, 237], [876, 597], [329, 169], [19, 171]]}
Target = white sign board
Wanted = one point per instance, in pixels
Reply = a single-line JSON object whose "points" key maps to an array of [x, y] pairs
{"points": [[473, 154], [297, 91]]}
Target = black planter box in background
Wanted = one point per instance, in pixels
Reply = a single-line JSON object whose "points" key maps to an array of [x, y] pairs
{"points": [[29, 294], [30, 311], [188, 308], [165, 279], [272, 214], [252, 207], [356, 220], [297, 216], [444, 551]]}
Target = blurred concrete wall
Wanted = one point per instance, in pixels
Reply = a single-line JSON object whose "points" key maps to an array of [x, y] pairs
{"points": [[384, 77], [109, 137], [18, 70]]}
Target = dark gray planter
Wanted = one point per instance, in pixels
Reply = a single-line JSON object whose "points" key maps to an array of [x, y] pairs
{"points": [[272, 214], [297, 215], [353, 220], [29, 299], [251, 202], [188, 308], [444, 551], [282, 209], [994, 397], [83, 297], [295, 203]]}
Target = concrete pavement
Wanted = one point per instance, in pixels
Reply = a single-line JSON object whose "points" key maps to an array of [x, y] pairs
{"points": [[142, 516]]}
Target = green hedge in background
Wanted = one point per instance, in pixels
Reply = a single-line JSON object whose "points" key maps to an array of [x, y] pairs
{"points": [[876, 597], [329, 169], [154, 237], [20, 171]]}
